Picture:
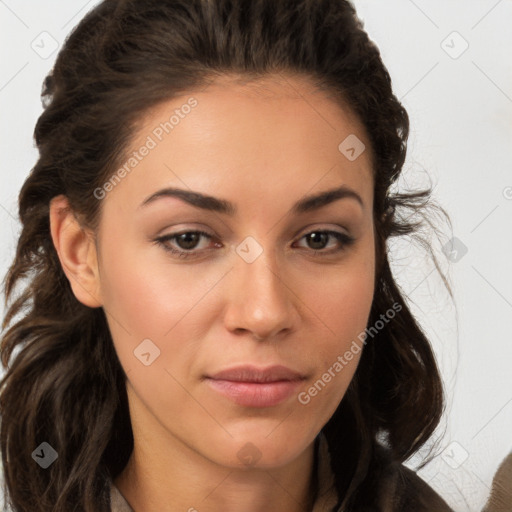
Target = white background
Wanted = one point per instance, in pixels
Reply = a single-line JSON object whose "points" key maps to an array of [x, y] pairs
{"points": [[461, 118]]}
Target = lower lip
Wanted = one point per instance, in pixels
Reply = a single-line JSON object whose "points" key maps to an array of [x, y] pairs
{"points": [[255, 394]]}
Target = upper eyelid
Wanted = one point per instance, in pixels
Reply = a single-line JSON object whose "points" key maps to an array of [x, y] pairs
{"points": [[317, 226]]}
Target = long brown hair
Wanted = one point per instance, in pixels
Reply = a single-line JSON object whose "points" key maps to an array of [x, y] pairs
{"points": [[65, 385]]}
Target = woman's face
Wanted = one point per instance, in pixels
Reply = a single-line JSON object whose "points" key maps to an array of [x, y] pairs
{"points": [[262, 287]]}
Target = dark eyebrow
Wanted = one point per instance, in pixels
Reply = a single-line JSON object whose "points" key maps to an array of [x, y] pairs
{"points": [[205, 202]]}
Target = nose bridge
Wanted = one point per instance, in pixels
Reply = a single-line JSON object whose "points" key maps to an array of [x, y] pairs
{"points": [[260, 301]]}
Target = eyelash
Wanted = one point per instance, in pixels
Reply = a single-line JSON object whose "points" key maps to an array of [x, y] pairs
{"points": [[345, 240]]}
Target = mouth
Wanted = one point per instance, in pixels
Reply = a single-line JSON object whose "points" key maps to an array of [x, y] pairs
{"points": [[250, 386]]}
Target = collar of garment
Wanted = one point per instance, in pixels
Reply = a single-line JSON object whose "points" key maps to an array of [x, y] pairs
{"points": [[326, 497]]}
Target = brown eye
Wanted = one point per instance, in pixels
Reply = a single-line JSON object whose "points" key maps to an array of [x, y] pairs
{"points": [[185, 241], [188, 240], [318, 239]]}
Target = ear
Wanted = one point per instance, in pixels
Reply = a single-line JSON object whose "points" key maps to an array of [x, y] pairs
{"points": [[77, 252]]}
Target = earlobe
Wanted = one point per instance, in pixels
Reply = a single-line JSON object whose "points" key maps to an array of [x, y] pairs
{"points": [[77, 252]]}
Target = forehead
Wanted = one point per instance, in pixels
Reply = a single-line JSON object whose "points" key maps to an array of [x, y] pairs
{"points": [[230, 102], [278, 132]]}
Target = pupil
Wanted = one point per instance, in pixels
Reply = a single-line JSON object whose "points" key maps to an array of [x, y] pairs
{"points": [[318, 238], [185, 237]]}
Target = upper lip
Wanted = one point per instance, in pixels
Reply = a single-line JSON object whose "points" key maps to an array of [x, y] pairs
{"points": [[249, 373]]}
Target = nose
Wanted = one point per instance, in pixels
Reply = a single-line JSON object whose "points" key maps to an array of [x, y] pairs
{"points": [[260, 301]]}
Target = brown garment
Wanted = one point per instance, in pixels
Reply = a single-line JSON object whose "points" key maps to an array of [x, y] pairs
{"points": [[500, 499], [401, 490]]}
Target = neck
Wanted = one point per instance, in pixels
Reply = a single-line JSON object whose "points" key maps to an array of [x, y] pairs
{"points": [[182, 480]]}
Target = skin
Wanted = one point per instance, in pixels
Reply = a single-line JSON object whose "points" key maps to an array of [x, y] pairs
{"points": [[263, 147]]}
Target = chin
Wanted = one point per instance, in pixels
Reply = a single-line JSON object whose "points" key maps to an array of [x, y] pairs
{"points": [[260, 450]]}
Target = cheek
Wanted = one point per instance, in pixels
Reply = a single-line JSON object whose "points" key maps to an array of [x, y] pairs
{"points": [[145, 293], [343, 306], [344, 300], [138, 303], [337, 359], [160, 301]]}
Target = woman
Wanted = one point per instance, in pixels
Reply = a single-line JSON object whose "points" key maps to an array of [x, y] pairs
{"points": [[210, 320]]}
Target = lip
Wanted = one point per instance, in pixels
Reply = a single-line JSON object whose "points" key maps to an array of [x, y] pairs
{"points": [[250, 373], [250, 386]]}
